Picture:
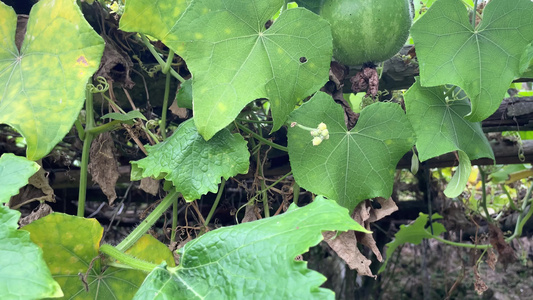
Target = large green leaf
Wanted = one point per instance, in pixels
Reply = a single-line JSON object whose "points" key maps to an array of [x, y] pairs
{"points": [[42, 87], [437, 117], [439, 124], [351, 165], [312, 5], [414, 233], [23, 272], [71, 243], [195, 166], [235, 59], [14, 174], [253, 260], [483, 61]]}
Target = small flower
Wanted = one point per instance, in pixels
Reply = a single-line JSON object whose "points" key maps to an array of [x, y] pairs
{"points": [[315, 133], [325, 134], [322, 127], [317, 140]]}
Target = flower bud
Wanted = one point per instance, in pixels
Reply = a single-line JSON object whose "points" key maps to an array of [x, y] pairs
{"points": [[322, 127], [316, 141]]}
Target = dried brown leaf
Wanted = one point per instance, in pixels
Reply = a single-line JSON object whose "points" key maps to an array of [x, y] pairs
{"points": [[479, 285], [491, 259], [181, 112], [250, 213], [345, 245], [40, 211], [38, 189], [150, 185], [103, 166], [505, 251]]}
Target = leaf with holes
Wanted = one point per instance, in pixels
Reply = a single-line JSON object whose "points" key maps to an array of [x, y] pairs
{"points": [[254, 260], [71, 243], [483, 60], [23, 272], [354, 165], [235, 59], [43, 85], [194, 166], [14, 174]]}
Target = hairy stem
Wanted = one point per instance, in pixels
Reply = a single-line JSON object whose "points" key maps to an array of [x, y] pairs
{"points": [[159, 59], [89, 124], [261, 139], [126, 259], [215, 204], [138, 232], [163, 124]]}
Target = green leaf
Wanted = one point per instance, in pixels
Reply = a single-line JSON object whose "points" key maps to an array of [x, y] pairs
{"points": [[134, 114], [439, 123], [460, 178], [71, 243], [23, 272], [312, 5], [43, 86], [252, 260], [526, 63], [482, 61], [350, 166], [234, 59], [184, 96], [14, 174], [413, 233], [195, 166]]}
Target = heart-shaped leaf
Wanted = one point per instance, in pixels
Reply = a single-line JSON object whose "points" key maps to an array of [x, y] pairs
{"points": [[14, 174], [437, 117], [484, 60], [235, 59], [43, 85], [254, 260], [438, 120], [23, 272], [71, 243], [194, 166], [353, 165]]}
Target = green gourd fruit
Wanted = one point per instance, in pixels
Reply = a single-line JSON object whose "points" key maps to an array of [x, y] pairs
{"points": [[367, 31]]}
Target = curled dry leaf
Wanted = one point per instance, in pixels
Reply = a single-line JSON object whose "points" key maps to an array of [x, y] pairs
{"points": [[345, 244], [38, 189], [103, 166], [479, 285], [505, 251], [40, 211]]}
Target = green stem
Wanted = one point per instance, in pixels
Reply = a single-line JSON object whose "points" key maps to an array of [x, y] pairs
{"points": [[438, 238], [126, 259], [89, 124], [170, 57], [522, 219], [174, 220], [511, 202], [215, 204], [253, 121], [163, 124], [104, 128], [484, 195], [295, 192], [79, 129], [158, 58], [263, 193], [262, 139], [138, 232], [474, 14]]}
